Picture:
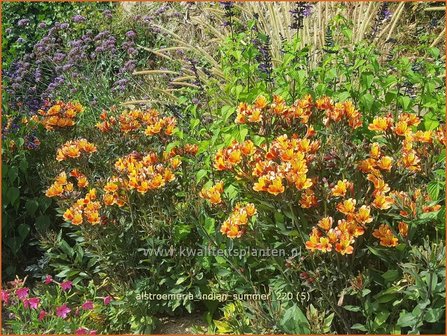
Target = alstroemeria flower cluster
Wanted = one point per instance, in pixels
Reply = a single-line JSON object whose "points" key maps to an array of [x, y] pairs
{"points": [[213, 194], [235, 226], [261, 111], [74, 149], [63, 187], [339, 112], [404, 129], [59, 186], [148, 121], [284, 163], [84, 209], [325, 238], [60, 115], [142, 173]]}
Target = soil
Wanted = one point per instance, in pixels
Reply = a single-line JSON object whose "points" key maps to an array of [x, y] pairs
{"points": [[180, 325]]}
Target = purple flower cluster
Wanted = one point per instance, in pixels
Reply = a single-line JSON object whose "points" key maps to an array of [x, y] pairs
{"points": [[78, 19], [23, 22], [228, 8], [264, 57], [56, 60], [383, 15], [301, 11]]}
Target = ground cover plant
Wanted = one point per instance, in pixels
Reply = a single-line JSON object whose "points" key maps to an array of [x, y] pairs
{"points": [[268, 167]]}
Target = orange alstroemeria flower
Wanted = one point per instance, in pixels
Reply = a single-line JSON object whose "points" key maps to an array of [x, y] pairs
{"points": [[302, 182], [380, 124], [401, 128], [385, 163], [403, 229], [344, 246], [382, 202], [325, 223], [276, 187], [347, 207], [375, 151], [363, 215], [341, 188]]}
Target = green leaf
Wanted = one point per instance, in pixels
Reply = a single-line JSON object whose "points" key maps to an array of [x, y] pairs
{"points": [[382, 317], [201, 174], [352, 308], [13, 195], [328, 322], [31, 206], [181, 232], [359, 326], [407, 319], [23, 231], [404, 102], [434, 315], [222, 327], [43, 222], [13, 173], [210, 225], [181, 280], [433, 189], [391, 275]]}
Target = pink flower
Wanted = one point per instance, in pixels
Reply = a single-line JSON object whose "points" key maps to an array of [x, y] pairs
{"points": [[22, 293], [5, 296], [87, 305], [84, 331], [66, 285], [42, 315], [107, 299], [63, 311], [32, 302], [48, 280]]}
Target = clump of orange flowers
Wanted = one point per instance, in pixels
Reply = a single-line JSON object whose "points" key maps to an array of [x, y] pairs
{"points": [[63, 187], [84, 209], [403, 129], [386, 236], [213, 194], [59, 115], [235, 226], [262, 111], [325, 238], [149, 122], [59, 186], [283, 164], [143, 173], [74, 149]]}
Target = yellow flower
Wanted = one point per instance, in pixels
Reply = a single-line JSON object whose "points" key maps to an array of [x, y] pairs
{"points": [[347, 207], [375, 151], [363, 215], [276, 187], [380, 124], [385, 163], [340, 188], [382, 202], [325, 223]]}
